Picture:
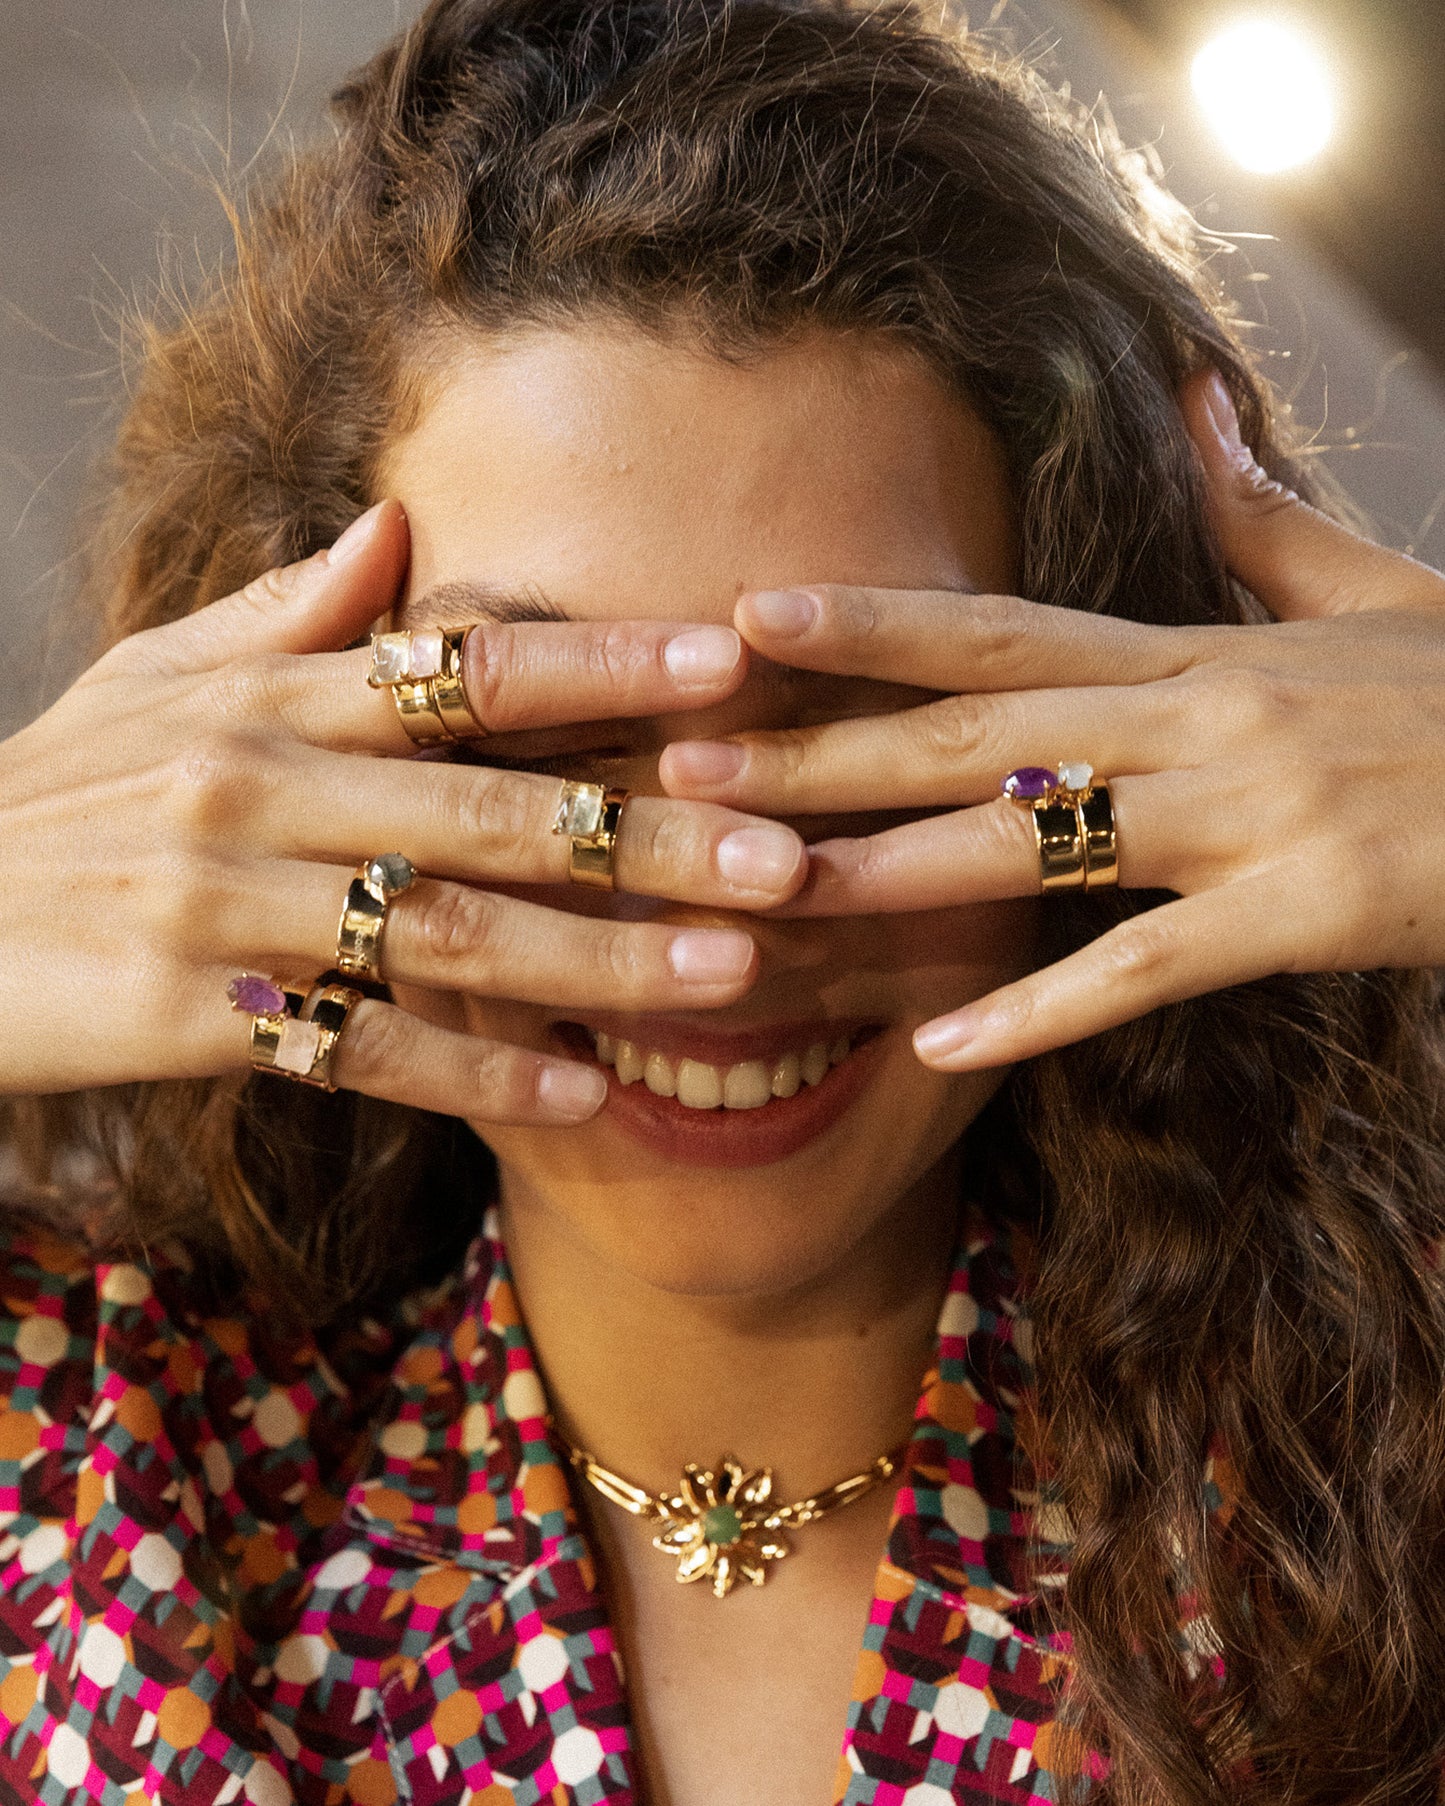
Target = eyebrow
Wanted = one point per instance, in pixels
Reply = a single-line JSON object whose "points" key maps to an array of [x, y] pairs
{"points": [[455, 603]]}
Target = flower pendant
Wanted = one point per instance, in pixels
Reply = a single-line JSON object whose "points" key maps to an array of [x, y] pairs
{"points": [[718, 1525]]}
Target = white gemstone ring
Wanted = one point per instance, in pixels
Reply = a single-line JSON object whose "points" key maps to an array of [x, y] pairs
{"points": [[1073, 819], [423, 670], [589, 815]]}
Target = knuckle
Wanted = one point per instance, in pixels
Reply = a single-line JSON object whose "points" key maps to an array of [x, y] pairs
{"points": [[275, 585], [491, 658], [375, 1040], [504, 1078], [846, 614], [786, 757], [616, 656], [655, 842], [451, 921], [1137, 954], [496, 810], [1265, 701], [249, 689], [620, 960], [217, 783], [1000, 627], [955, 727]]}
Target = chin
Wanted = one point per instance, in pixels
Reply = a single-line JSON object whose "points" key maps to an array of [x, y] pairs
{"points": [[695, 1211]]}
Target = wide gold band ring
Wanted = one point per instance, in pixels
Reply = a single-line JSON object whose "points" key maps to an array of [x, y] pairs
{"points": [[363, 914], [1101, 850], [1073, 819], [293, 1031], [423, 670], [589, 815]]}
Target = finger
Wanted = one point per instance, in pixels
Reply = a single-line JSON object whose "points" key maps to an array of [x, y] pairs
{"points": [[989, 854], [524, 676], [958, 749], [478, 823], [321, 603], [387, 1052], [1221, 937], [1296, 560], [454, 937], [954, 640]]}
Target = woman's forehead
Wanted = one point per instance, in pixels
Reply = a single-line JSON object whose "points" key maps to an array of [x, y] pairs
{"points": [[602, 474]]}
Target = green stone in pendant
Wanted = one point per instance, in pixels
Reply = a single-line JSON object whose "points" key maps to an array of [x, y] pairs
{"points": [[722, 1525]]}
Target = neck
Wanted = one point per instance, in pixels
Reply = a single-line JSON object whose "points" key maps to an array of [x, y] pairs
{"points": [[813, 1381]]}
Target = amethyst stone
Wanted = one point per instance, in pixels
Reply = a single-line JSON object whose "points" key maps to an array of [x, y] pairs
{"points": [[1029, 783], [256, 996]]}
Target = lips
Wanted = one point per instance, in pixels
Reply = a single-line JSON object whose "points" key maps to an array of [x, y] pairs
{"points": [[696, 1095]]}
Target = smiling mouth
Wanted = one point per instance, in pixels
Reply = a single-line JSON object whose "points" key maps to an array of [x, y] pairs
{"points": [[706, 1085]]}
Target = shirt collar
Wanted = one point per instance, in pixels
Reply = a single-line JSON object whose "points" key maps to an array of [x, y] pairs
{"points": [[462, 1467]]}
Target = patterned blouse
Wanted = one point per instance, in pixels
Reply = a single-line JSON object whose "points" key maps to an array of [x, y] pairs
{"points": [[240, 1566]]}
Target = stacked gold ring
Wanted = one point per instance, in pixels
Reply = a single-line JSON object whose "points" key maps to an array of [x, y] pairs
{"points": [[363, 914], [293, 1031], [590, 815], [1073, 821], [422, 668]]}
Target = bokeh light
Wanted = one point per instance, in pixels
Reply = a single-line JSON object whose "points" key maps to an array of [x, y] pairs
{"points": [[1268, 93]]}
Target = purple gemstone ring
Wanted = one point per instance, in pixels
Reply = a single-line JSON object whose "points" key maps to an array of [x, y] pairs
{"points": [[1032, 784], [1073, 822], [254, 995], [287, 1036]]}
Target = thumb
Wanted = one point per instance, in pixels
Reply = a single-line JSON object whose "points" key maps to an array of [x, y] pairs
{"points": [[1299, 562], [320, 604]]}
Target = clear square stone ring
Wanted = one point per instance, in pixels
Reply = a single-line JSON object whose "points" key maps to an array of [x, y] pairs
{"points": [[422, 668], [590, 815], [1073, 824]]}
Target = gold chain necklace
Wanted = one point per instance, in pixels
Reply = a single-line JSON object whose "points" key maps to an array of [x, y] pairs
{"points": [[722, 1523]]}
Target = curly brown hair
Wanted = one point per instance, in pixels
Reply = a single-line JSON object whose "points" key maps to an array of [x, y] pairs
{"points": [[1237, 1200]]}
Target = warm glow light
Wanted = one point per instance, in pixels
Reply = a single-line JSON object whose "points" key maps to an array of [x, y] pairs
{"points": [[1268, 94]]}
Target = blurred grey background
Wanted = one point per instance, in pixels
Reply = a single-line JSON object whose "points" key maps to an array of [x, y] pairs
{"points": [[117, 117]]}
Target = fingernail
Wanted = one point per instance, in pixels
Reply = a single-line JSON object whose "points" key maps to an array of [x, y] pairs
{"points": [[710, 955], [572, 1092], [785, 612], [947, 1036], [1225, 416], [703, 655], [704, 761], [759, 858], [355, 536]]}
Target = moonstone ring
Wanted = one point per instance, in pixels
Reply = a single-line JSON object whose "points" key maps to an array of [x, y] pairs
{"points": [[363, 914], [1073, 819], [423, 670]]}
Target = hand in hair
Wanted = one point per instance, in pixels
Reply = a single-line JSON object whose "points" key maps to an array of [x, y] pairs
{"points": [[196, 803], [1282, 780]]}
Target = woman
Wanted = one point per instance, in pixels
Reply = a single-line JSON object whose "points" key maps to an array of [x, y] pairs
{"points": [[731, 371]]}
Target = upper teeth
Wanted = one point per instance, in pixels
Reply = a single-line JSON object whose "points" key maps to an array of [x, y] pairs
{"points": [[700, 1086]]}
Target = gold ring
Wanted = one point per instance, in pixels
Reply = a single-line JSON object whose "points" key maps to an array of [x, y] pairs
{"points": [[1101, 851], [423, 670], [363, 914], [1060, 838], [293, 1032], [325, 1011], [1073, 824], [589, 815]]}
